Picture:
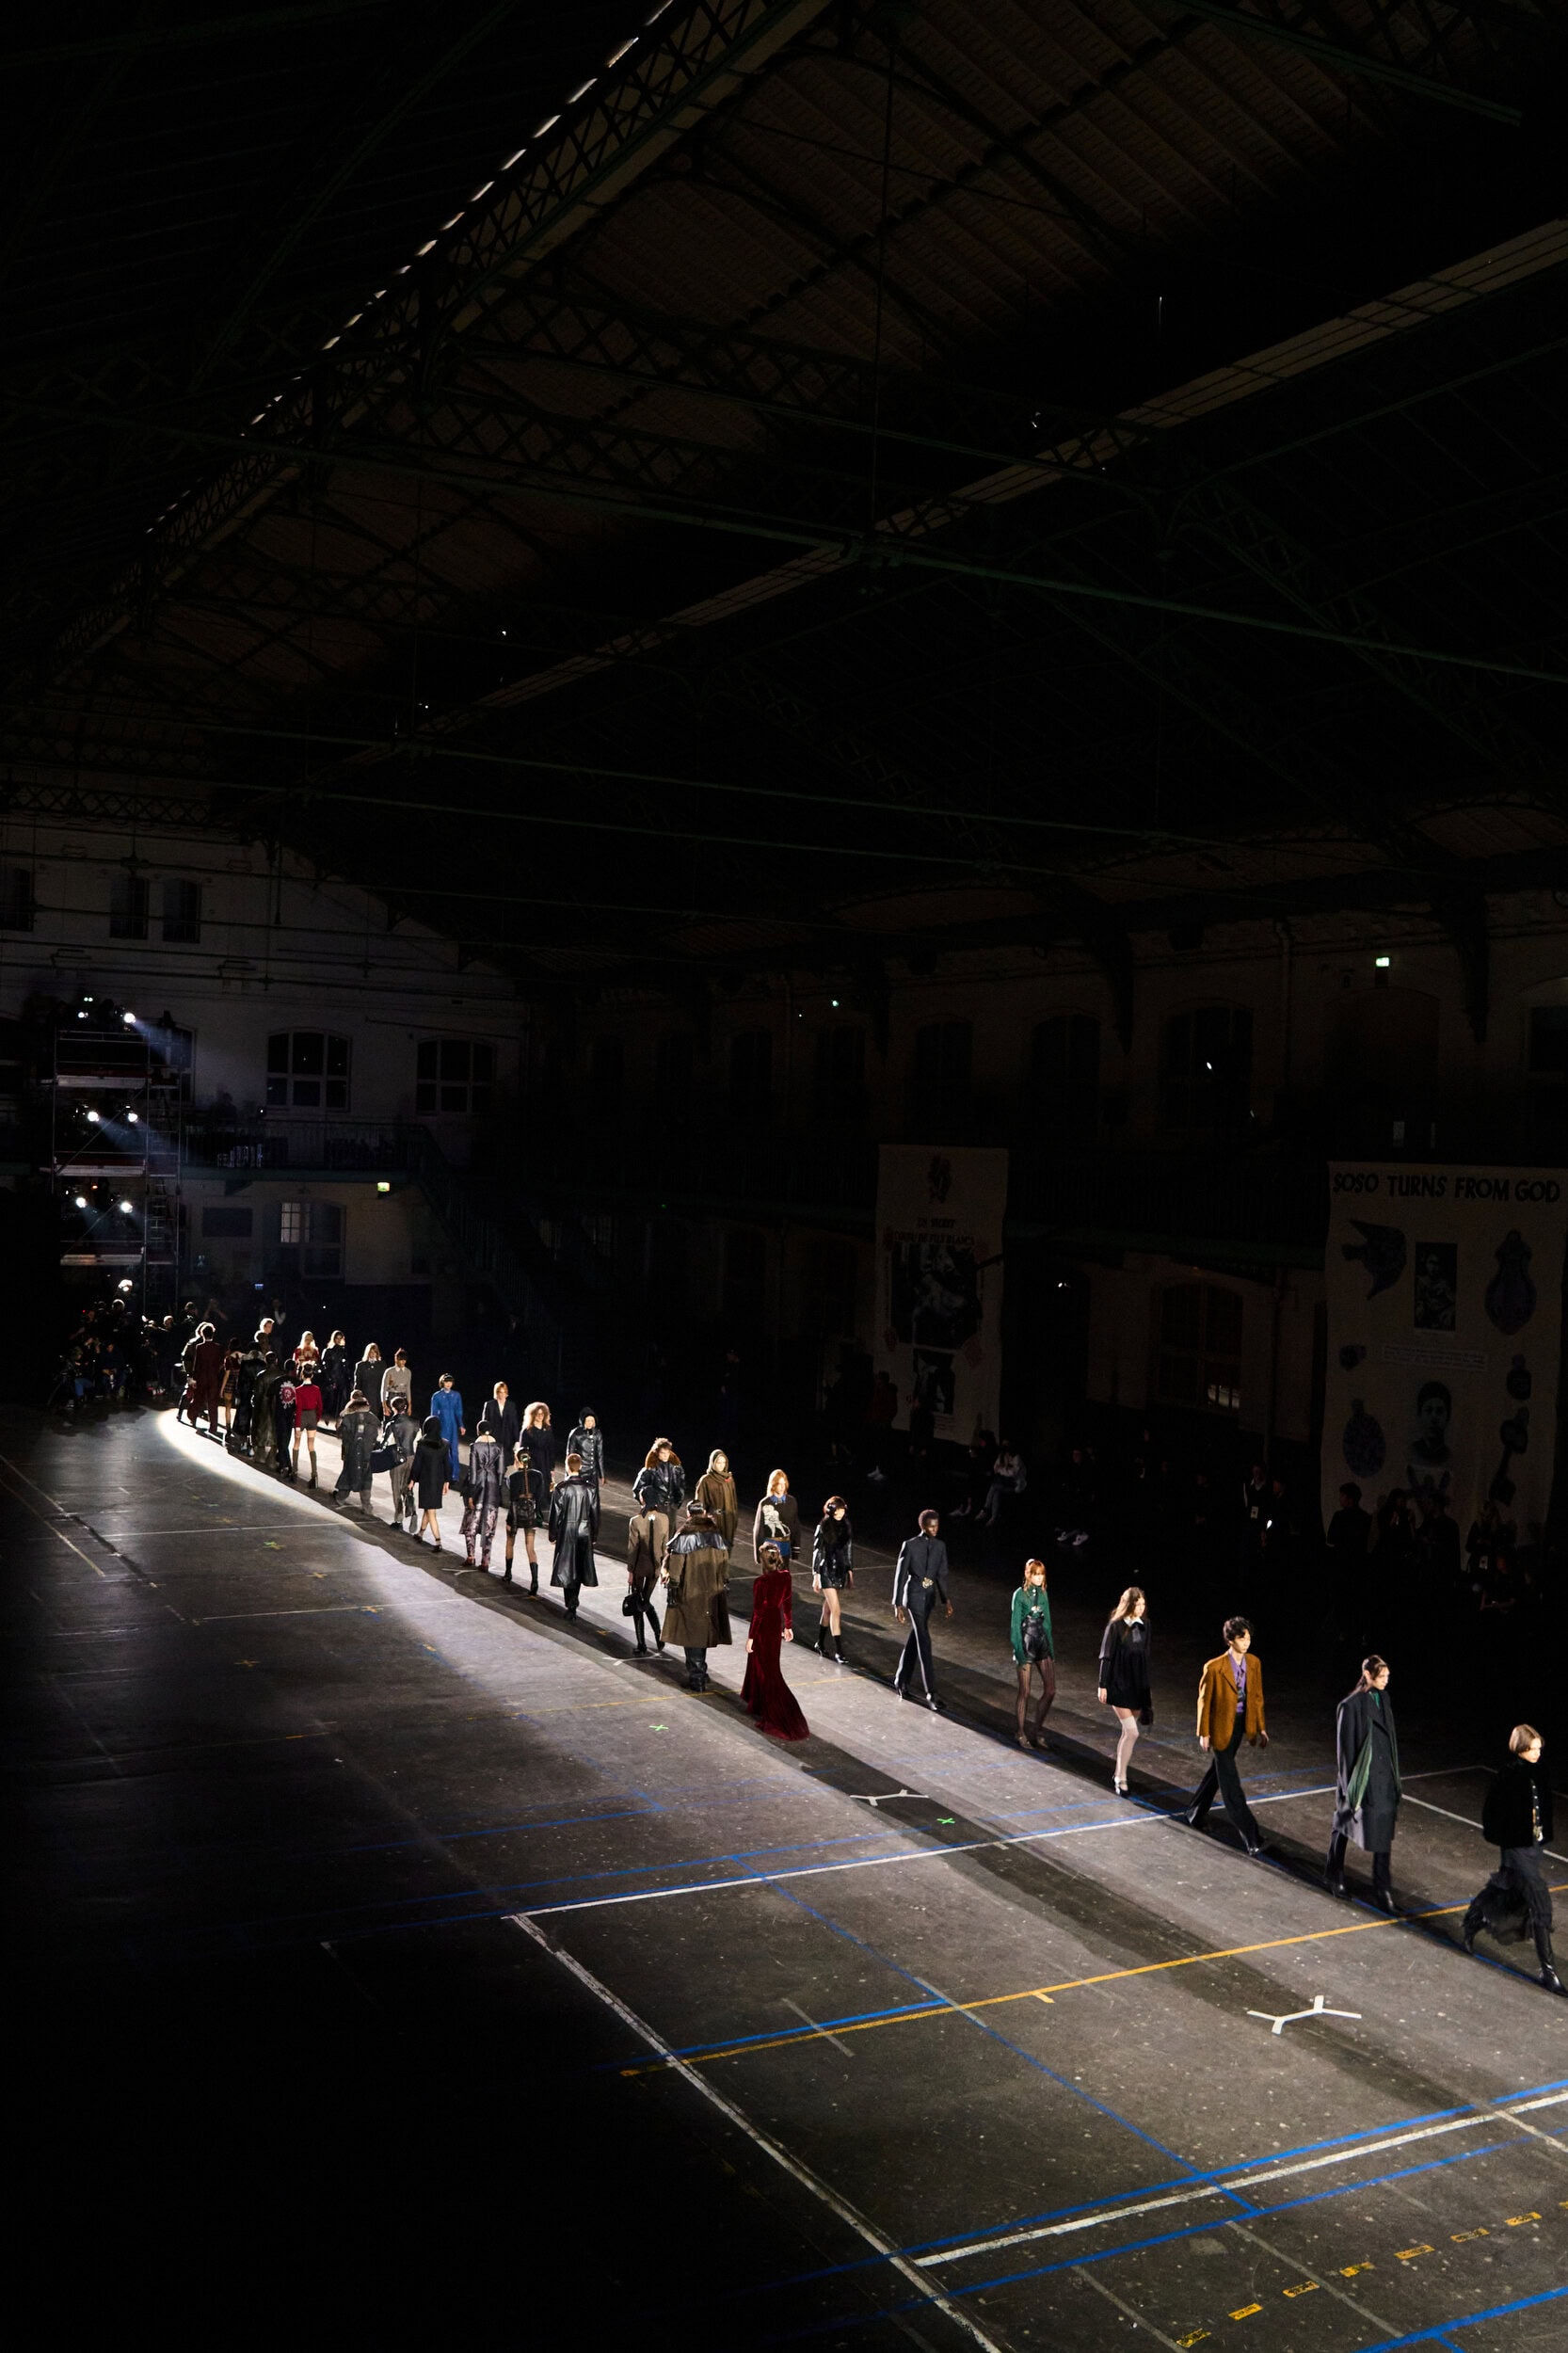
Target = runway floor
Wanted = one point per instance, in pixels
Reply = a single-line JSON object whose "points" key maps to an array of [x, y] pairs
{"points": [[353, 1881]]}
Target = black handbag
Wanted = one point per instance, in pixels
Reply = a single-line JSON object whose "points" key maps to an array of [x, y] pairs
{"points": [[629, 1603]]}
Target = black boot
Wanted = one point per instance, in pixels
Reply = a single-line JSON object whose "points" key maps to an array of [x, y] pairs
{"points": [[839, 1648], [1471, 1928], [1548, 1976], [1334, 1870], [820, 1645]]}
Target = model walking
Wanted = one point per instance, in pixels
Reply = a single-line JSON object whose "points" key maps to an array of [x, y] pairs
{"points": [[367, 1377], [1518, 1819], [264, 1415], [832, 1571], [527, 1501], [446, 1405], [307, 1412], [1034, 1650], [429, 1475], [587, 1441], [1124, 1684], [920, 1582], [397, 1381], [764, 1690], [336, 1376], [358, 1430], [506, 1420], [778, 1518], [715, 1491], [482, 1492], [573, 1526], [539, 1438], [661, 1484], [648, 1535], [1368, 1787], [402, 1435], [695, 1571], [1230, 1710]]}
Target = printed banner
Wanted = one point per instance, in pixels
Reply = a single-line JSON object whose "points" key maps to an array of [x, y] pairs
{"points": [[1444, 1325], [939, 1223]]}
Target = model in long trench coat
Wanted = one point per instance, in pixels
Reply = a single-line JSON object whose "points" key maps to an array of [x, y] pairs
{"points": [[696, 1573]]}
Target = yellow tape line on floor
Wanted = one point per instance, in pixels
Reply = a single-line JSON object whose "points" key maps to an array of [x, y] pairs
{"points": [[1048, 1993]]}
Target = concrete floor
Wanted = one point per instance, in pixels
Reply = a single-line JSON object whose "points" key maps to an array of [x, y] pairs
{"points": [[392, 1944]]}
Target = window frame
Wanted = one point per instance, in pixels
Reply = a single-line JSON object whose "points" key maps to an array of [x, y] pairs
{"points": [[1218, 1102], [132, 920], [454, 1077], [1214, 1357], [289, 1081], [181, 930]]}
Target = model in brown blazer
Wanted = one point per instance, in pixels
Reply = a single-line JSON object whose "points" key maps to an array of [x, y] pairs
{"points": [[1230, 1710]]}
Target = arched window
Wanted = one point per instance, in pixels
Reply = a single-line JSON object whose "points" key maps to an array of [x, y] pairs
{"points": [[1199, 1355], [307, 1070], [1206, 1070], [745, 1276], [1064, 1072]]}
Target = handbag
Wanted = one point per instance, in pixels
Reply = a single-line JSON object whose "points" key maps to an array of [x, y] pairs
{"points": [[629, 1603], [383, 1457]]}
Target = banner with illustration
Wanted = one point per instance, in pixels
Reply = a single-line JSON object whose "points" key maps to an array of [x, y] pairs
{"points": [[1444, 1325], [938, 1227]]}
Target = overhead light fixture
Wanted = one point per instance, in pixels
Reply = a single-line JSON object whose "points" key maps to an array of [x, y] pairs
{"points": [[382, 1185]]}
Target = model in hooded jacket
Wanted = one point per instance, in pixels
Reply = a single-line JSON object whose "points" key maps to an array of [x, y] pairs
{"points": [[715, 1491]]}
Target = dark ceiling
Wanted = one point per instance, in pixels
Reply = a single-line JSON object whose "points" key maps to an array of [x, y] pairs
{"points": [[861, 480]]}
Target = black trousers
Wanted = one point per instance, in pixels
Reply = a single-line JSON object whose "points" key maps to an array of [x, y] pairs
{"points": [[1382, 1862], [1517, 1886], [1222, 1780], [914, 1671]]}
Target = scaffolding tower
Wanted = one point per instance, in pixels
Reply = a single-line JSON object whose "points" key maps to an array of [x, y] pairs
{"points": [[117, 1152]]}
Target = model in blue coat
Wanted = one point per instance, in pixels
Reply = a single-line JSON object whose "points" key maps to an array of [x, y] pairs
{"points": [[446, 1407]]}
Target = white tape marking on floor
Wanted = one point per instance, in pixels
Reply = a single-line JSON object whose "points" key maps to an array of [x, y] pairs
{"points": [[759, 2140], [1239, 2180]]}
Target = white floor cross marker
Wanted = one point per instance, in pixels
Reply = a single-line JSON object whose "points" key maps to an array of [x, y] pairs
{"points": [[1277, 2026]]}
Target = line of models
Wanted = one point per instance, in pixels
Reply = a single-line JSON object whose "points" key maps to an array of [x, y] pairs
{"points": [[511, 1466]]}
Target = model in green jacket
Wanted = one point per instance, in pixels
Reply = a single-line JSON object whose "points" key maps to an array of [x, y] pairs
{"points": [[1033, 1647]]}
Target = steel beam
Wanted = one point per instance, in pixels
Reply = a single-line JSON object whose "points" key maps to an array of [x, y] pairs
{"points": [[1340, 60]]}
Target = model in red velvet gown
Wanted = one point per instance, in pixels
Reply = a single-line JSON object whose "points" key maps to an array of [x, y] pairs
{"points": [[764, 1690]]}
